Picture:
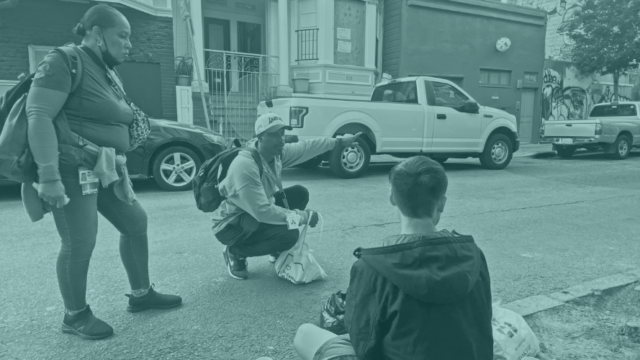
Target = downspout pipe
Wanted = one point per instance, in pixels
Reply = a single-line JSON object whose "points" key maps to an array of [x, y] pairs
{"points": [[8, 4]]}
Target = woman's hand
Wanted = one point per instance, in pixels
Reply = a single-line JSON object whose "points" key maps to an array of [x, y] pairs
{"points": [[53, 192]]}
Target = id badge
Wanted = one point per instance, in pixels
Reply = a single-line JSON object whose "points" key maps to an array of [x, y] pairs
{"points": [[292, 221], [88, 181]]}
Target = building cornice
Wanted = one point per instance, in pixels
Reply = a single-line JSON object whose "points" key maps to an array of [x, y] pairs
{"points": [[487, 9], [145, 7]]}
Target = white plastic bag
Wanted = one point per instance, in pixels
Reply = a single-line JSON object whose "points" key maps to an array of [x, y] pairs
{"points": [[297, 264], [513, 339]]}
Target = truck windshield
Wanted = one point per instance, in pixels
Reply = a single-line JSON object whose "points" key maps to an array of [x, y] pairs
{"points": [[400, 92], [614, 110]]}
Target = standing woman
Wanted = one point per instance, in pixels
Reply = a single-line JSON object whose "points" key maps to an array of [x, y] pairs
{"points": [[97, 111]]}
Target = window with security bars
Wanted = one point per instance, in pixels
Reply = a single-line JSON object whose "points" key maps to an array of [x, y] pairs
{"points": [[495, 77], [307, 44]]}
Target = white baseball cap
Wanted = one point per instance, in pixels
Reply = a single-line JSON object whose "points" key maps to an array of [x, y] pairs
{"points": [[270, 123]]}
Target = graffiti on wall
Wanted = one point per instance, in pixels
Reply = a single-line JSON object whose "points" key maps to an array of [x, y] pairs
{"points": [[567, 96]]}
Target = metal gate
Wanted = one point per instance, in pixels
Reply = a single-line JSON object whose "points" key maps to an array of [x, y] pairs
{"points": [[238, 82]]}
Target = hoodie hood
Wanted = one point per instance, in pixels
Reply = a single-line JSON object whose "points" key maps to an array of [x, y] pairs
{"points": [[433, 270]]}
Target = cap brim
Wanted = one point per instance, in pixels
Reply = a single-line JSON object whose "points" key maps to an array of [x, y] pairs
{"points": [[277, 128]]}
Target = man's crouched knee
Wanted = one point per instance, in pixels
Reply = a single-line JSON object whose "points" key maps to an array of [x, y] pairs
{"points": [[291, 237]]}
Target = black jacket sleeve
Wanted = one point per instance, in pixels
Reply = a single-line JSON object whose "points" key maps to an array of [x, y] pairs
{"points": [[364, 313]]}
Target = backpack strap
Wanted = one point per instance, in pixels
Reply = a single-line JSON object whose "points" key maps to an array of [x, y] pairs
{"points": [[256, 155], [75, 64], [258, 159]]}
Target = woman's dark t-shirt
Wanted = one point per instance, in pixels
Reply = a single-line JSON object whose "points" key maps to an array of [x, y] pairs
{"points": [[94, 110]]}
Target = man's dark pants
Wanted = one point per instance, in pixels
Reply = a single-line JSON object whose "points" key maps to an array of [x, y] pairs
{"points": [[246, 237]]}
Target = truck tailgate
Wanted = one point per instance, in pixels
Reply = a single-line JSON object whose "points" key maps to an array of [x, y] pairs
{"points": [[575, 128]]}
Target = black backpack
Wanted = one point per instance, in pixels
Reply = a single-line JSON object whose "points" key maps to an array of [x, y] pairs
{"points": [[22, 87], [205, 183], [16, 160]]}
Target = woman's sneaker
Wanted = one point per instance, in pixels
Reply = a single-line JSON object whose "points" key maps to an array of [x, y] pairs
{"points": [[85, 325], [152, 300], [236, 266]]}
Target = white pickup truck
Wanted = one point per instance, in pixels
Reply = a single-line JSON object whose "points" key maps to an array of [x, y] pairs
{"points": [[613, 127], [403, 118]]}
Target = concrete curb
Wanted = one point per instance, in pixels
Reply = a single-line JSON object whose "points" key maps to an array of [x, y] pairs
{"points": [[538, 303], [542, 154]]}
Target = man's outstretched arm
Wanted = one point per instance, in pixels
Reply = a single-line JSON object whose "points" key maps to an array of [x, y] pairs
{"points": [[299, 152]]}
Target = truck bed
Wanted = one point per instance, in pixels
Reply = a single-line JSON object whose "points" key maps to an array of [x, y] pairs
{"points": [[573, 128]]}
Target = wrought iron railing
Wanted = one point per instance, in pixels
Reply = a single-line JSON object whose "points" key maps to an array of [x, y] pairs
{"points": [[237, 84], [307, 44]]}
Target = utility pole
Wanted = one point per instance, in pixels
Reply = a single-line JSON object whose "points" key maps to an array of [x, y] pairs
{"points": [[186, 17]]}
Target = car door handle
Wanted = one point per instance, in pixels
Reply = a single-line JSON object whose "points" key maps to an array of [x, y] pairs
{"points": [[568, 125], [442, 117]]}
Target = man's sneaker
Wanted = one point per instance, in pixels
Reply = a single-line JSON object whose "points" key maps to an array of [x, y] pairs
{"points": [[152, 300], [237, 267], [274, 257], [85, 325]]}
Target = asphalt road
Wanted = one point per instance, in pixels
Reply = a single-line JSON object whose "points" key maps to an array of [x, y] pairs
{"points": [[543, 223]]}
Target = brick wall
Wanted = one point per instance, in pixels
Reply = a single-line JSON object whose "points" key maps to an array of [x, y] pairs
{"points": [[49, 23]]}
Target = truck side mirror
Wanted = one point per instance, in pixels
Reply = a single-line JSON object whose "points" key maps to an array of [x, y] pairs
{"points": [[471, 107]]}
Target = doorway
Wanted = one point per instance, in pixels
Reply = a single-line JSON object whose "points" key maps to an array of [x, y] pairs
{"points": [[231, 43], [525, 126], [237, 70], [217, 37]]}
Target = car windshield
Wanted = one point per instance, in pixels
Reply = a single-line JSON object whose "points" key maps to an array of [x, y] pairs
{"points": [[614, 110], [400, 92]]}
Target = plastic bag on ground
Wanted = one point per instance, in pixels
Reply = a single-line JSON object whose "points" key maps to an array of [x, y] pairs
{"points": [[513, 339], [297, 264]]}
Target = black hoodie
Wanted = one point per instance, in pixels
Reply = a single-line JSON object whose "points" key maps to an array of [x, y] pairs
{"points": [[425, 299]]}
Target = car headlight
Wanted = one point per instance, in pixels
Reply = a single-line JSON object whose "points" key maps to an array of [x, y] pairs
{"points": [[216, 139]]}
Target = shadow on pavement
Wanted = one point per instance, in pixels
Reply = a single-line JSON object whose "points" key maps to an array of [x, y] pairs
{"points": [[544, 155], [10, 192], [592, 155]]}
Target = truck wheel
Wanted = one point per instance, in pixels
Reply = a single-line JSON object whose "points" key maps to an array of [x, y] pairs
{"points": [[350, 162], [174, 168], [565, 152], [310, 164], [622, 147], [497, 152]]}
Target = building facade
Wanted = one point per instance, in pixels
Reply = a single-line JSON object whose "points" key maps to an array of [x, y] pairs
{"points": [[494, 51], [568, 95], [247, 51], [29, 29]]}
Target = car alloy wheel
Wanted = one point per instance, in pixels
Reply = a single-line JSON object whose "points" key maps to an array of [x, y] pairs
{"points": [[178, 169], [174, 168]]}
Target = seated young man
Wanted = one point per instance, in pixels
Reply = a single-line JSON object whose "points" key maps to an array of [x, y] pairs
{"points": [[424, 294]]}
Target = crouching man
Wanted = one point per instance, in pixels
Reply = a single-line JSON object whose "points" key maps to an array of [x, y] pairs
{"points": [[254, 219], [424, 294]]}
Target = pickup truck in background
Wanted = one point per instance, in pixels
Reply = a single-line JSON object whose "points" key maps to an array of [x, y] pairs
{"points": [[613, 127], [404, 117]]}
